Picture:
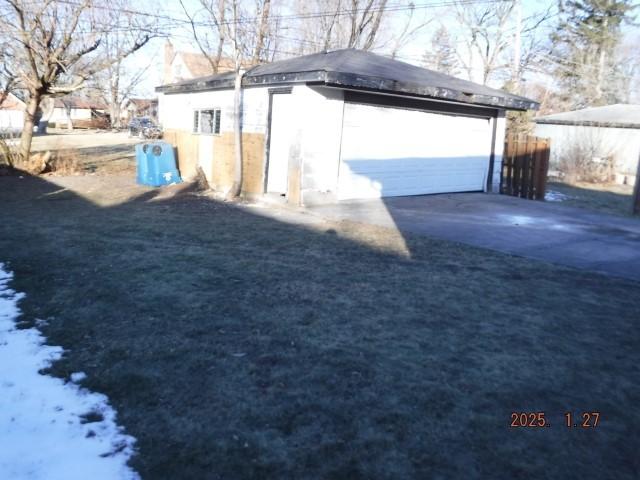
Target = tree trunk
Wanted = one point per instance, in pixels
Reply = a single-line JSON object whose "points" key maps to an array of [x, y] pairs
{"points": [[262, 33], [236, 190], [69, 121], [27, 128], [114, 113]]}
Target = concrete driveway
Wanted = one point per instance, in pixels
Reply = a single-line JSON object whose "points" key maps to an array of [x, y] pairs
{"points": [[540, 230]]}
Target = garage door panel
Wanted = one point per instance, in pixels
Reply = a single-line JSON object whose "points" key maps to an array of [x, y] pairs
{"points": [[392, 152]]}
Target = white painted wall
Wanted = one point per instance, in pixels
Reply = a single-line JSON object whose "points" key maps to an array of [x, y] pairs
{"points": [[621, 143], [320, 126], [316, 121], [175, 111], [11, 120], [283, 136], [60, 114], [391, 151]]}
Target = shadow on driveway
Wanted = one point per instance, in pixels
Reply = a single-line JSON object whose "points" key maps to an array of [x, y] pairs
{"points": [[553, 233]]}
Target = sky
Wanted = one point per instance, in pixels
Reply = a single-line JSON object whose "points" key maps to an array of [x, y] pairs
{"points": [[412, 52]]}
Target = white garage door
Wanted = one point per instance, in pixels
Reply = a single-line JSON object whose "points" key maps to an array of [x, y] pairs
{"points": [[391, 152]]}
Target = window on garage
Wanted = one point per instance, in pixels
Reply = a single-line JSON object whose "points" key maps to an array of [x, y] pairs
{"points": [[207, 121]]}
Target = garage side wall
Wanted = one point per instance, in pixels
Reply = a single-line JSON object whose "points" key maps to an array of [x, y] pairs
{"points": [[623, 144], [321, 112], [214, 153]]}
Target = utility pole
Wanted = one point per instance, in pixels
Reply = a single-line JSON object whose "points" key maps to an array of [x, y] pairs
{"points": [[635, 210]]}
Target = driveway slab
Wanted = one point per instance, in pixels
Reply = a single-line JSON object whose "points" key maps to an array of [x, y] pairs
{"points": [[540, 230]]}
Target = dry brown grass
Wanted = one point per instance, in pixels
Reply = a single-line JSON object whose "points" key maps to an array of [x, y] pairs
{"points": [[65, 163]]}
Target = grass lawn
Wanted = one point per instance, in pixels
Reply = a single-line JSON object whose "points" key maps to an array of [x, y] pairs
{"points": [[236, 346], [612, 199]]}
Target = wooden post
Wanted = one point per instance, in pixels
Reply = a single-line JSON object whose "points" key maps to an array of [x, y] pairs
{"points": [[492, 157], [636, 192]]}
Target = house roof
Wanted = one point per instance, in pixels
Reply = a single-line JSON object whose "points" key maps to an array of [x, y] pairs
{"points": [[614, 116], [196, 63], [351, 68], [143, 102], [82, 103], [12, 102]]}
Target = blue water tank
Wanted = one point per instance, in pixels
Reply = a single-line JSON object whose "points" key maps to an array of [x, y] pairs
{"points": [[156, 164]]}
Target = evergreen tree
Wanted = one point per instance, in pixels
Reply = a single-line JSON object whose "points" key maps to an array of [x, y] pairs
{"points": [[584, 51], [441, 57]]}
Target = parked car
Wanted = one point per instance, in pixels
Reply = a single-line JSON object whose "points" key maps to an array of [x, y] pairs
{"points": [[144, 127]]}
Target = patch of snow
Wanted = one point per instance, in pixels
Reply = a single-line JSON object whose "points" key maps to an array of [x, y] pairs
{"points": [[552, 196], [519, 219], [77, 377], [41, 426]]}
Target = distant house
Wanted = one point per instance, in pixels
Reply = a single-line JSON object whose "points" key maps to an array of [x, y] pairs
{"points": [[180, 65], [12, 114], [341, 125], [612, 132], [70, 108], [140, 107]]}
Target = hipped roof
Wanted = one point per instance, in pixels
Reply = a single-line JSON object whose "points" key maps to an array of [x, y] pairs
{"points": [[357, 69]]}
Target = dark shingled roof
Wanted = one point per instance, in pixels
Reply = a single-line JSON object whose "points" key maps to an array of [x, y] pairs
{"points": [[614, 116], [361, 70]]}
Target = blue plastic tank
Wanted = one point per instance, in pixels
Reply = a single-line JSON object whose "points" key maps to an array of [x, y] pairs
{"points": [[156, 164]]}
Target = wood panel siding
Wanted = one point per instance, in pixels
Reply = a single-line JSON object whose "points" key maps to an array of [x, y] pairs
{"points": [[220, 174]]}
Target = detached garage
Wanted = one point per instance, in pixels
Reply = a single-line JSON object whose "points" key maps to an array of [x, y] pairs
{"points": [[341, 125]]}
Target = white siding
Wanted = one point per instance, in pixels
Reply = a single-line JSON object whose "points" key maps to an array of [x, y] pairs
{"points": [[60, 114], [176, 110], [320, 129], [390, 152], [621, 143], [11, 120]]}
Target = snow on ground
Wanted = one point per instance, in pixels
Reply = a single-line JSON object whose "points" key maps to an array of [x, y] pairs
{"points": [[42, 432], [552, 196]]}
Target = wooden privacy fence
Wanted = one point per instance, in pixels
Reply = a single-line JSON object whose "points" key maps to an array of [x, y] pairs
{"points": [[525, 164]]}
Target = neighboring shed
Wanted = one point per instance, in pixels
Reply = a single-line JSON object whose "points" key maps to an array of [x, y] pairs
{"points": [[612, 131], [11, 114], [70, 108], [340, 125]]}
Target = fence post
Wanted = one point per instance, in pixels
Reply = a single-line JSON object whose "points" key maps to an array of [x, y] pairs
{"points": [[635, 210]]}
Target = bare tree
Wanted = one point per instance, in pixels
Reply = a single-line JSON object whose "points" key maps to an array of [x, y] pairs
{"points": [[118, 82], [246, 33], [487, 38], [8, 79], [56, 48], [262, 31], [212, 39], [331, 24]]}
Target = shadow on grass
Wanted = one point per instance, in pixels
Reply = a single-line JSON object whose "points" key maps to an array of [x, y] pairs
{"points": [[236, 346]]}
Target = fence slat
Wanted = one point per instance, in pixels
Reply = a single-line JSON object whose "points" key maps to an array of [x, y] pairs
{"points": [[525, 167]]}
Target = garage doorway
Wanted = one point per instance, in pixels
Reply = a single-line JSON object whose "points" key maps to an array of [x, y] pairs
{"points": [[389, 151], [281, 130]]}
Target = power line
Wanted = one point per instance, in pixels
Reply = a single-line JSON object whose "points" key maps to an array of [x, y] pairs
{"points": [[297, 16]]}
